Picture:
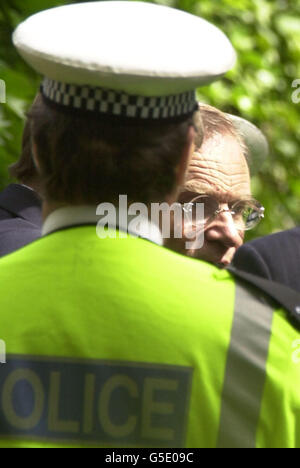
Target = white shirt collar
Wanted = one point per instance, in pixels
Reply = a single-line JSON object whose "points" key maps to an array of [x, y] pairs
{"points": [[27, 186], [86, 214]]}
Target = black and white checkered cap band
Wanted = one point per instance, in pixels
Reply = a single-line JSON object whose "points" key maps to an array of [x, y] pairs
{"points": [[117, 103]]}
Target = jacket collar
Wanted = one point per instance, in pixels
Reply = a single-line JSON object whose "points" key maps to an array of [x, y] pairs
{"points": [[23, 202], [72, 216]]}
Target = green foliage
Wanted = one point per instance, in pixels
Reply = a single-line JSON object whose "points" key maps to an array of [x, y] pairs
{"points": [[21, 82], [266, 35]]}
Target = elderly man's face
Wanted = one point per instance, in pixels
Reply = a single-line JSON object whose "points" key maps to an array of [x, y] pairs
{"points": [[218, 169]]}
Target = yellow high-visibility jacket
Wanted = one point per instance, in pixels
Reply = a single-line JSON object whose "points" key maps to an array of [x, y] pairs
{"points": [[120, 342]]}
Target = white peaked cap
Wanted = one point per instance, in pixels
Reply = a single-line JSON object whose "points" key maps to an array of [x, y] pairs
{"points": [[130, 48], [255, 140]]}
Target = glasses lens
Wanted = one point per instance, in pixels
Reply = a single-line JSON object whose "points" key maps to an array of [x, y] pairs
{"points": [[200, 210], [247, 214]]}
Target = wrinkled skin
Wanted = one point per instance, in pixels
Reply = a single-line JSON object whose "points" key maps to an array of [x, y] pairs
{"points": [[219, 169]]}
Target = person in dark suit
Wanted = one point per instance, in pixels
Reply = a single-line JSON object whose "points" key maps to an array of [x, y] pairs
{"points": [[20, 205], [275, 257]]}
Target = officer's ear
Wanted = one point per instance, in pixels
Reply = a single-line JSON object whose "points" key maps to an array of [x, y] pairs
{"points": [[182, 167], [35, 156]]}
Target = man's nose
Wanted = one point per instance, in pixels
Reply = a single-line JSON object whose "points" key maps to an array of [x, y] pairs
{"points": [[224, 230]]}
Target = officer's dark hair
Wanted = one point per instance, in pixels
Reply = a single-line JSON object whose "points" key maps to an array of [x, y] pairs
{"points": [[87, 159], [24, 169]]}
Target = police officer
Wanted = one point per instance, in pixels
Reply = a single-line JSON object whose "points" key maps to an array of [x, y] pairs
{"points": [[20, 205], [117, 341]]}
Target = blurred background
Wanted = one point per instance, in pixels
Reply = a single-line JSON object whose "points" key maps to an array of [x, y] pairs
{"points": [[266, 35]]}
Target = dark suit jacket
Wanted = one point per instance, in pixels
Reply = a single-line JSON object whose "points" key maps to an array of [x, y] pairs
{"points": [[20, 218], [276, 257]]}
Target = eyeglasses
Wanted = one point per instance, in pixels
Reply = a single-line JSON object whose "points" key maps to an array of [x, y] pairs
{"points": [[246, 214]]}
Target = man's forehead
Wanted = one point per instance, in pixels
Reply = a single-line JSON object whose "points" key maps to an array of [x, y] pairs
{"points": [[219, 168], [237, 188]]}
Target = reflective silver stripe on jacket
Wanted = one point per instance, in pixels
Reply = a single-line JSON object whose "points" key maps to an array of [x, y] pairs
{"points": [[245, 370]]}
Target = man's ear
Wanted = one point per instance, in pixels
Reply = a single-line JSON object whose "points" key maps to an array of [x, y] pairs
{"points": [[183, 165]]}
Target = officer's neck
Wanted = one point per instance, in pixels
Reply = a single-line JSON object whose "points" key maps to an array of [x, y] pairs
{"points": [[49, 207]]}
